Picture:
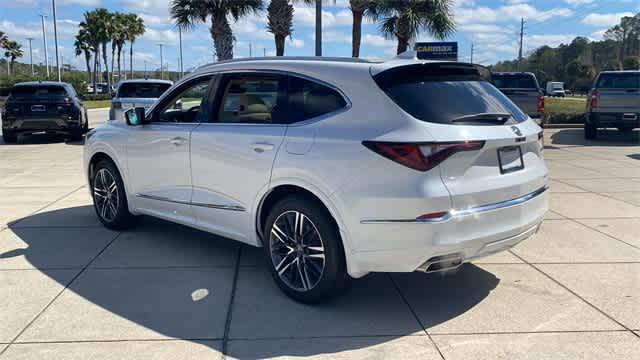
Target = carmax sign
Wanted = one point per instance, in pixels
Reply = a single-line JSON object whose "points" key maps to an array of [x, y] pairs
{"points": [[437, 50]]}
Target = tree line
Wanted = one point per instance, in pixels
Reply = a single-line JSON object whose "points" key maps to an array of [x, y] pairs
{"points": [[577, 63]]}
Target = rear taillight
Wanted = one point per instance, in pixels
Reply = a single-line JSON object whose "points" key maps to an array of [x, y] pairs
{"points": [[540, 104], [594, 98], [421, 156], [116, 105]]}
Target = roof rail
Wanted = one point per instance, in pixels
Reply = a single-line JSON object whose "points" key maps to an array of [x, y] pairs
{"points": [[285, 58]]}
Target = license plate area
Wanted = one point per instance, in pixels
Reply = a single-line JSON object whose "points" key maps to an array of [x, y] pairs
{"points": [[510, 159], [38, 108]]}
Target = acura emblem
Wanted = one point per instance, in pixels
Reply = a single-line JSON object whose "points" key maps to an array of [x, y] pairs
{"points": [[516, 130]]}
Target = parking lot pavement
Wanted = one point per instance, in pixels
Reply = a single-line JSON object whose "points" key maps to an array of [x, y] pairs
{"points": [[72, 289]]}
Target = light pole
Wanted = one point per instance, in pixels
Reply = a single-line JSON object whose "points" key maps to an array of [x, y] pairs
{"points": [[318, 27], [55, 37], [44, 37], [30, 39], [161, 63], [180, 38]]}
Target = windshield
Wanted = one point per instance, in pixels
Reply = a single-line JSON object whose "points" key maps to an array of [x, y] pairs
{"points": [[142, 90], [619, 81], [514, 81], [442, 93], [39, 91]]}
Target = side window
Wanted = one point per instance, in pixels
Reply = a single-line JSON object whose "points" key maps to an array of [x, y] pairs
{"points": [[251, 99], [188, 106], [308, 99]]}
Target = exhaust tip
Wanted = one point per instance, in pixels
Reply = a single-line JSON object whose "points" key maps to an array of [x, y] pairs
{"points": [[441, 263]]}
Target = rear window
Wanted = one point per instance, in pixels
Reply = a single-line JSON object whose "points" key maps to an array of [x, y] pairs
{"points": [[443, 93], [142, 90], [40, 91], [514, 81], [619, 81]]}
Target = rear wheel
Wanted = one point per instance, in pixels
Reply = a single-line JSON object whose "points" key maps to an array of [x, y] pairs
{"points": [[590, 131], [305, 251], [625, 130], [109, 197], [9, 137]]}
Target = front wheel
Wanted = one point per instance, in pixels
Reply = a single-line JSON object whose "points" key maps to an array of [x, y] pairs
{"points": [[9, 137], [305, 252], [109, 197]]}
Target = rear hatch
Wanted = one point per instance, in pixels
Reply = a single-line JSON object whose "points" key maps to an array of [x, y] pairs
{"points": [[486, 149], [522, 89], [28, 102], [618, 92], [139, 94]]}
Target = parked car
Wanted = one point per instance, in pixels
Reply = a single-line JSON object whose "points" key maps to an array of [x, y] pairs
{"points": [[136, 93], [613, 102], [555, 88], [523, 89], [4, 93], [336, 167], [43, 106]]}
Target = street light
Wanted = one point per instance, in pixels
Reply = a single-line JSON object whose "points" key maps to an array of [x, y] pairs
{"points": [[44, 37], [180, 38], [161, 63], [55, 37], [30, 39]]}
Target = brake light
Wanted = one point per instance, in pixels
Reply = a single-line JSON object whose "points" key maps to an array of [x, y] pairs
{"points": [[594, 98], [540, 104], [421, 156], [116, 105]]}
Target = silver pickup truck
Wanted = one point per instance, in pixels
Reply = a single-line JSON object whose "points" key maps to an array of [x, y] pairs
{"points": [[523, 89], [613, 102]]}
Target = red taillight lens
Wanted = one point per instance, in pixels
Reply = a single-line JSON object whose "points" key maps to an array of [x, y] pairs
{"points": [[421, 156], [594, 98], [540, 104]]}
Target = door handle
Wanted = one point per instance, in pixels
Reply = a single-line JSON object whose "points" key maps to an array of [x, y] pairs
{"points": [[178, 140], [262, 147]]}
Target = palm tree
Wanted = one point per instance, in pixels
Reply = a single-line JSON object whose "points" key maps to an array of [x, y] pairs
{"points": [[358, 8], [3, 39], [280, 22], [95, 33], [135, 28], [117, 34], [188, 13], [404, 19], [13, 50], [82, 46]]}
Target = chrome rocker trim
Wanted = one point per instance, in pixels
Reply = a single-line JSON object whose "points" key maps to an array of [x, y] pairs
{"points": [[464, 212], [211, 206]]}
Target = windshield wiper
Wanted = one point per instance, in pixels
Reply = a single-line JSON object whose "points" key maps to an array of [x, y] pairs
{"points": [[498, 118]]}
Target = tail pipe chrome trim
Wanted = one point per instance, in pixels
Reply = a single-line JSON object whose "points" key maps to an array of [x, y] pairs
{"points": [[464, 212], [441, 263]]}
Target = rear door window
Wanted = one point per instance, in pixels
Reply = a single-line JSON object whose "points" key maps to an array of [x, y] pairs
{"points": [[619, 81], [309, 99], [252, 99], [142, 90], [514, 81], [445, 93], [38, 92]]}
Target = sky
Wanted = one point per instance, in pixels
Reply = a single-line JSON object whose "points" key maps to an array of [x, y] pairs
{"points": [[491, 25]]}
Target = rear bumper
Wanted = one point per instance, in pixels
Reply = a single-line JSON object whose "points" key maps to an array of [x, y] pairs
{"points": [[33, 125], [468, 233], [614, 119]]}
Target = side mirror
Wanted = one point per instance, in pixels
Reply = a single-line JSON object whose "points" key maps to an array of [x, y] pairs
{"points": [[178, 105], [134, 116]]}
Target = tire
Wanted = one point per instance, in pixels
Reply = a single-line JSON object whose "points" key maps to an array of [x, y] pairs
{"points": [[625, 130], [309, 268], [9, 137], [110, 198], [590, 131]]}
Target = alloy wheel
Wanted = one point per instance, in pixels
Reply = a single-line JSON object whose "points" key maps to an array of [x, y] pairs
{"points": [[105, 195], [297, 251]]}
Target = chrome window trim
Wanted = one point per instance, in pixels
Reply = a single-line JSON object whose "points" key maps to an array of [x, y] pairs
{"points": [[464, 212], [211, 206]]}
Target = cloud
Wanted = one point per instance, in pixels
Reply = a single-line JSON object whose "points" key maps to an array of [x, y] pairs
{"points": [[483, 14], [599, 34], [78, 2], [553, 40], [155, 20], [575, 3], [604, 19], [306, 16], [161, 36], [296, 43], [376, 40]]}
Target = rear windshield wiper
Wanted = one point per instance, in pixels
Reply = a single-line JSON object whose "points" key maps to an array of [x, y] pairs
{"points": [[498, 118]]}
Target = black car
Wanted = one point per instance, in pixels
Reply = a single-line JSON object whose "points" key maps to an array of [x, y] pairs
{"points": [[46, 106]]}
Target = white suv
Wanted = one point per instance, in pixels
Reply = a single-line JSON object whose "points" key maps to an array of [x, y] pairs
{"points": [[337, 167]]}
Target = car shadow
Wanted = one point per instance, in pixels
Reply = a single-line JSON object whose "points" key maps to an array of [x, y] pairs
{"points": [[606, 137], [149, 275]]}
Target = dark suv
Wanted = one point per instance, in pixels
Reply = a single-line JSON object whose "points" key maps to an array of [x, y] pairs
{"points": [[47, 106], [614, 101]]}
